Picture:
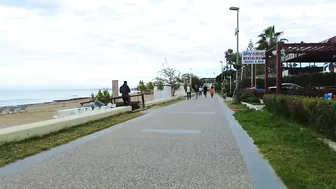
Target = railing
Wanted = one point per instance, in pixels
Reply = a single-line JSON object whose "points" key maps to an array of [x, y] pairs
{"points": [[119, 99]]}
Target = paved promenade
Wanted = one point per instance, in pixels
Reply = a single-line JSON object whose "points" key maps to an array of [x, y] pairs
{"points": [[192, 144]]}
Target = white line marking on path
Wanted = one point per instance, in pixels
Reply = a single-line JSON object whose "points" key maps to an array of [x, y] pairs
{"points": [[198, 113], [174, 131]]}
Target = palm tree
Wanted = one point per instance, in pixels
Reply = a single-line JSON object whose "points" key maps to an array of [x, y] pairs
{"points": [[267, 40]]}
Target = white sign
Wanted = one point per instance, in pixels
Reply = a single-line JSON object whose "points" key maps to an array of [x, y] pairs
{"points": [[253, 57]]}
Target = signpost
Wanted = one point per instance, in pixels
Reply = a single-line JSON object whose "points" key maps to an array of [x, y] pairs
{"points": [[253, 57]]}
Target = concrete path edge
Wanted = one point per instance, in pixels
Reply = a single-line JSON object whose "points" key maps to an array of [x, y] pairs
{"points": [[258, 167]]}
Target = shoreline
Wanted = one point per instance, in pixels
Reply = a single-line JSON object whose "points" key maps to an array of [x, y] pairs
{"points": [[46, 102], [58, 100], [35, 112]]}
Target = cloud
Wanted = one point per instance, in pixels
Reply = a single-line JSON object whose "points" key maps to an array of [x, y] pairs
{"points": [[49, 42]]}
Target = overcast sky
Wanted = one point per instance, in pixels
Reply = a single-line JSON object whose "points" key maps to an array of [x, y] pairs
{"points": [[59, 43]]}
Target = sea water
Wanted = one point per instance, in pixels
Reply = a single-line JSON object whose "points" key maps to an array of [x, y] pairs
{"points": [[21, 97]]}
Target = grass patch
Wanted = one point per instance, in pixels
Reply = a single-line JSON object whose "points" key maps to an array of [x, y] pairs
{"points": [[295, 153], [13, 151], [235, 106], [256, 103], [168, 103]]}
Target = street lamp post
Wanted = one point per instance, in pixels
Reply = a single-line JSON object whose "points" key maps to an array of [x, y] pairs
{"points": [[222, 77], [190, 76], [237, 53], [221, 72]]}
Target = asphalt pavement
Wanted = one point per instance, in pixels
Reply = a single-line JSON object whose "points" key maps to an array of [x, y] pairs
{"points": [[190, 144]]}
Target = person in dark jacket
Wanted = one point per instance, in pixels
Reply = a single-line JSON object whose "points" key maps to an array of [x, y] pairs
{"points": [[205, 90], [125, 91], [196, 89]]}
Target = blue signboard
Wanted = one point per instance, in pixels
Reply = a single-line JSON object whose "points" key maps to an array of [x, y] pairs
{"points": [[253, 57]]}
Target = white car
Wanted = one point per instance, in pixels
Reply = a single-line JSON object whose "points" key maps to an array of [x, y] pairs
{"points": [[286, 87]]}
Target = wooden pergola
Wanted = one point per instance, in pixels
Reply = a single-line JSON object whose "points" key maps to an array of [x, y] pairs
{"points": [[324, 51]]}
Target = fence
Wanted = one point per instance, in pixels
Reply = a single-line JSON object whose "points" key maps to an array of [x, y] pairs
{"points": [[142, 98]]}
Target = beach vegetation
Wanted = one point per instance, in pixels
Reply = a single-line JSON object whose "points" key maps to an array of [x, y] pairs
{"points": [[142, 87], [149, 86], [106, 96], [99, 95]]}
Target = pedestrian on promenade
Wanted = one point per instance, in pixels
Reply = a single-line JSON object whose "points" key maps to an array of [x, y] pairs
{"points": [[200, 90], [188, 93], [125, 91], [205, 90], [212, 91], [196, 89]]}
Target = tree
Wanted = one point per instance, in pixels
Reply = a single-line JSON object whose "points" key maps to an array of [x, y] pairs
{"points": [[267, 40], [228, 58], [169, 76], [142, 86], [234, 60], [231, 59], [99, 95], [225, 75], [106, 96], [150, 85], [195, 80]]}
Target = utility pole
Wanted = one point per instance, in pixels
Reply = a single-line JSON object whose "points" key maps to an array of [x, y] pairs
{"points": [[237, 53]]}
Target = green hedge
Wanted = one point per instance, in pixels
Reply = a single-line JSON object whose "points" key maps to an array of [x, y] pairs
{"points": [[304, 80], [319, 114]]}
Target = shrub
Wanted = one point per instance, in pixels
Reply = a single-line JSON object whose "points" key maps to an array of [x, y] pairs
{"points": [[99, 95], [253, 100], [106, 97], [249, 97], [135, 104], [317, 113], [103, 97]]}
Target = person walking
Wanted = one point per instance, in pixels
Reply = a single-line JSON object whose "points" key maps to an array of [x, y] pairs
{"points": [[205, 90], [196, 89], [125, 91], [200, 90], [188, 93], [212, 91]]}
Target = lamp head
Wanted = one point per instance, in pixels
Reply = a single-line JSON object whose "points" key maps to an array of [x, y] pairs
{"points": [[234, 8]]}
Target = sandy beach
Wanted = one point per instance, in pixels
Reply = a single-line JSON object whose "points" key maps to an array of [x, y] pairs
{"points": [[45, 111]]}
